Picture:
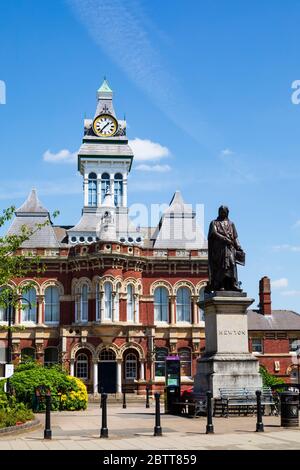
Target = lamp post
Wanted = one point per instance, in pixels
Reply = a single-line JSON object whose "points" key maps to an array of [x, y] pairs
{"points": [[298, 365]]}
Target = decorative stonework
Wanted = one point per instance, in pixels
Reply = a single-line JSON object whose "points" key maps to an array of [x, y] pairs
{"points": [[39, 347], [79, 346], [52, 283], [161, 283], [133, 345], [199, 286], [113, 347], [184, 283]]}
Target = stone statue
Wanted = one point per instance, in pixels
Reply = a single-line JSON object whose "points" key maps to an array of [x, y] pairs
{"points": [[224, 252]]}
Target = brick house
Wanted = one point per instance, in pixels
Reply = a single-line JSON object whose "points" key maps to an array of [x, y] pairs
{"points": [[274, 336]]}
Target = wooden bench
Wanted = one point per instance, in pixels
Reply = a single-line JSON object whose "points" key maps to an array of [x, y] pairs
{"points": [[243, 400]]}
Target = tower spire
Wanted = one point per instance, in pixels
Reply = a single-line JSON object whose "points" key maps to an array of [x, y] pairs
{"points": [[104, 99]]}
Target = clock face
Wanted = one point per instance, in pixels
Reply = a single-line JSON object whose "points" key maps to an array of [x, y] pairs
{"points": [[105, 125]]}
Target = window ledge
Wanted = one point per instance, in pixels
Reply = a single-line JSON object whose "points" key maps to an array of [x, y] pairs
{"points": [[162, 324], [185, 378]]}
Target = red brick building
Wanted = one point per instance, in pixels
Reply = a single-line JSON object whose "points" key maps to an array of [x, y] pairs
{"points": [[274, 336], [116, 299]]}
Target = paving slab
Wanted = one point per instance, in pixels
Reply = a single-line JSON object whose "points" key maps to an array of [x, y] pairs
{"points": [[132, 429]]}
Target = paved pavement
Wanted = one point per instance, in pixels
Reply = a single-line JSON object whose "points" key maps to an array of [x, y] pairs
{"points": [[132, 429]]}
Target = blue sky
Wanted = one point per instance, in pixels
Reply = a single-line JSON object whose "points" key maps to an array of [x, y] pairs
{"points": [[209, 82]]}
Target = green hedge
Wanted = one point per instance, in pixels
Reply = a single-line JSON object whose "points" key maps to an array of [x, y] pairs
{"points": [[269, 379], [14, 414], [68, 393]]}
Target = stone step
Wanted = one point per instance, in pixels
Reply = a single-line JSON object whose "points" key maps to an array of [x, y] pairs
{"points": [[130, 398]]}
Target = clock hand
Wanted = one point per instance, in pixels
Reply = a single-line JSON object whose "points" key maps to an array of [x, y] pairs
{"points": [[101, 130]]}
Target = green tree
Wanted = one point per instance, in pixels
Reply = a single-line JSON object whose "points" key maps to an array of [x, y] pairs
{"points": [[269, 379], [13, 264]]}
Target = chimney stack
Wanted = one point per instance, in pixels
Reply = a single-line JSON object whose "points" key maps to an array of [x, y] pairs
{"points": [[265, 296]]}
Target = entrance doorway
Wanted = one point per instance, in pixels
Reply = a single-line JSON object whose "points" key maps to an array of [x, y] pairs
{"points": [[107, 372]]}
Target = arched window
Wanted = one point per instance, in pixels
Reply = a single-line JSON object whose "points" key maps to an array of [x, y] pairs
{"points": [[92, 190], [118, 189], [160, 364], [183, 305], [27, 354], [98, 303], [82, 367], [50, 356], [105, 184], [52, 304], [117, 302], [29, 307], [84, 303], [107, 301], [107, 355], [3, 304], [201, 310], [130, 303], [185, 357], [131, 366], [161, 304]]}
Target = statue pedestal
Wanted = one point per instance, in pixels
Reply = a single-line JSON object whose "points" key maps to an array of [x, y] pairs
{"points": [[227, 361]]}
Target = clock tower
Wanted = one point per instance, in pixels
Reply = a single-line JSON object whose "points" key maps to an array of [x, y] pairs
{"points": [[104, 161]]}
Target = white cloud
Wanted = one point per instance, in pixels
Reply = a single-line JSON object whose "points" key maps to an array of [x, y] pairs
{"points": [[280, 283], [154, 168], [236, 167], [124, 32], [146, 150], [287, 247], [227, 152], [296, 224], [291, 293], [63, 156]]}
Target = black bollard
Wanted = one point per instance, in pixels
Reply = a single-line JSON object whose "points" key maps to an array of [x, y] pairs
{"points": [[157, 427], [259, 422], [47, 430], [147, 396], [104, 430], [124, 400], [101, 393], [209, 426]]}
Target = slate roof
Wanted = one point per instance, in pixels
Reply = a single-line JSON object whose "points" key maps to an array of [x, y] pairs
{"points": [[30, 214], [178, 227], [98, 149], [32, 205], [278, 320]]}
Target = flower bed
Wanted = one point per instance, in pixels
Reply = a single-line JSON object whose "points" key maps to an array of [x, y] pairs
{"points": [[16, 413]]}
